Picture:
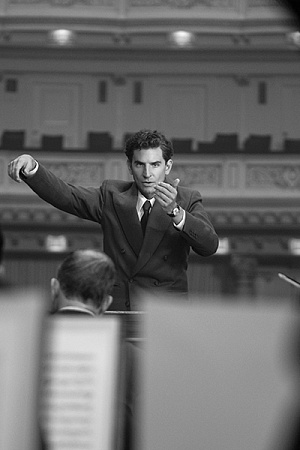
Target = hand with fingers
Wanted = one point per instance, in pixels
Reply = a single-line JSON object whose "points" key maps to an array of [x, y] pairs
{"points": [[22, 165], [166, 194]]}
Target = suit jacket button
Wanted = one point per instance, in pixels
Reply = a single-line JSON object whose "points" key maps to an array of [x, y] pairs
{"points": [[122, 251], [156, 282], [127, 304], [165, 258], [131, 280]]}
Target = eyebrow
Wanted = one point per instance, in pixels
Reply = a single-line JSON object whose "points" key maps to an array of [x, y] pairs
{"points": [[140, 162]]}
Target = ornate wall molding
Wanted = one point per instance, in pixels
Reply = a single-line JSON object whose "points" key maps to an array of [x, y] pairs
{"points": [[269, 176], [209, 175], [83, 173], [263, 176]]}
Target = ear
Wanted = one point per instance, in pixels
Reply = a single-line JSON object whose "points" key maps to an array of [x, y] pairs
{"points": [[129, 166], [168, 167], [55, 290], [54, 284], [105, 304]]}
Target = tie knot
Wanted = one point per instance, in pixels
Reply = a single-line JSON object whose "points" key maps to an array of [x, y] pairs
{"points": [[146, 206]]}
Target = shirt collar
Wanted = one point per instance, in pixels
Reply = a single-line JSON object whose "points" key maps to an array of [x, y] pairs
{"points": [[141, 200], [77, 309]]}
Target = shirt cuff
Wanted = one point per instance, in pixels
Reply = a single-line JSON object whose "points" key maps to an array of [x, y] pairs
{"points": [[180, 225], [32, 172]]}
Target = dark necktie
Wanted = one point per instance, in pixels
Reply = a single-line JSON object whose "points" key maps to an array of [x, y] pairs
{"points": [[144, 220]]}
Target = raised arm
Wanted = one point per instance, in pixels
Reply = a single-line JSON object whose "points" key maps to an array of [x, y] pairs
{"points": [[23, 164], [84, 202]]}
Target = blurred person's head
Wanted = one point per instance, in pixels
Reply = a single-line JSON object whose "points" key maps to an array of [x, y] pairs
{"points": [[85, 278]]}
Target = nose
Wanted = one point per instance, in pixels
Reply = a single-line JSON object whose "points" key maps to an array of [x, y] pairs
{"points": [[147, 171]]}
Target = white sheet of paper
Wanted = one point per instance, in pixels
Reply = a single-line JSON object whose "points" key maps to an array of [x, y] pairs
{"points": [[217, 376], [80, 383]]}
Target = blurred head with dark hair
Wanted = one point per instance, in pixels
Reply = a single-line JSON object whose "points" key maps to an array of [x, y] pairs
{"points": [[85, 278]]}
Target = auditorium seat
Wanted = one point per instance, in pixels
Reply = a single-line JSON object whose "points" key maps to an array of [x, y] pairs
{"points": [[292, 145], [182, 145], [99, 141], [52, 142], [226, 142], [204, 146], [258, 143], [13, 139]]}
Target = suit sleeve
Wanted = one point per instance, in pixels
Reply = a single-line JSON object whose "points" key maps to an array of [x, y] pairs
{"points": [[198, 230], [82, 202]]}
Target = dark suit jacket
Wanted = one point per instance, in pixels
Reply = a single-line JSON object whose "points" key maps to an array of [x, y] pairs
{"points": [[156, 264]]}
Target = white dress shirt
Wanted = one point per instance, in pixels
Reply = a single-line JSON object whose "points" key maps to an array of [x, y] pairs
{"points": [[139, 209]]}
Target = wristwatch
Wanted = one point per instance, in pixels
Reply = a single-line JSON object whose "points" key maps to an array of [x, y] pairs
{"points": [[175, 211]]}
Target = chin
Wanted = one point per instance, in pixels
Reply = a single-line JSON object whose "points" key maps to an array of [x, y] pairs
{"points": [[148, 193]]}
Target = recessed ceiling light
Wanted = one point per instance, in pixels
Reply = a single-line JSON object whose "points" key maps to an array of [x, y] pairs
{"points": [[62, 37], [182, 38]]}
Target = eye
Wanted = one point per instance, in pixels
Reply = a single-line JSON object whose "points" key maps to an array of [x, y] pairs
{"points": [[156, 164]]}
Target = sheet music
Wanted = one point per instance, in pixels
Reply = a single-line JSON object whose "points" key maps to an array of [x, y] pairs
{"points": [[80, 383]]}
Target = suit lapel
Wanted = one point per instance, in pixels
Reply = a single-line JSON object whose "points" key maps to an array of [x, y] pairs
{"points": [[157, 225], [125, 207]]}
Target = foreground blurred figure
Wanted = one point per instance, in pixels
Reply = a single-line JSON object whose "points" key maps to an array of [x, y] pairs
{"points": [[82, 287], [83, 284]]}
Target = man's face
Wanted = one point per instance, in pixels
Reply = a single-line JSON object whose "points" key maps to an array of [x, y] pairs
{"points": [[148, 167]]}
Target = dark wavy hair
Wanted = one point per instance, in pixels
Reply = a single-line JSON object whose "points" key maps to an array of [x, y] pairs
{"points": [[88, 275], [145, 139]]}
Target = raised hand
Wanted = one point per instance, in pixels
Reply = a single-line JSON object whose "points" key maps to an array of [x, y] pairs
{"points": [[166, 194], [24, 164]]}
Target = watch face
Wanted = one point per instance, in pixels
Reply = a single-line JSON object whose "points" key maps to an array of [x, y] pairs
{"points": [[175, 211]]}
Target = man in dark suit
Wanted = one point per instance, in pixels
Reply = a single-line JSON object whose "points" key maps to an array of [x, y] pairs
{"points": [[150, 257]]}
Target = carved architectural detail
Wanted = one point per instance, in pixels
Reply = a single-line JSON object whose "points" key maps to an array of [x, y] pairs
{"points": [[221, 4], [209, 175], [270, 176], [263, 219], [86, 174]]}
